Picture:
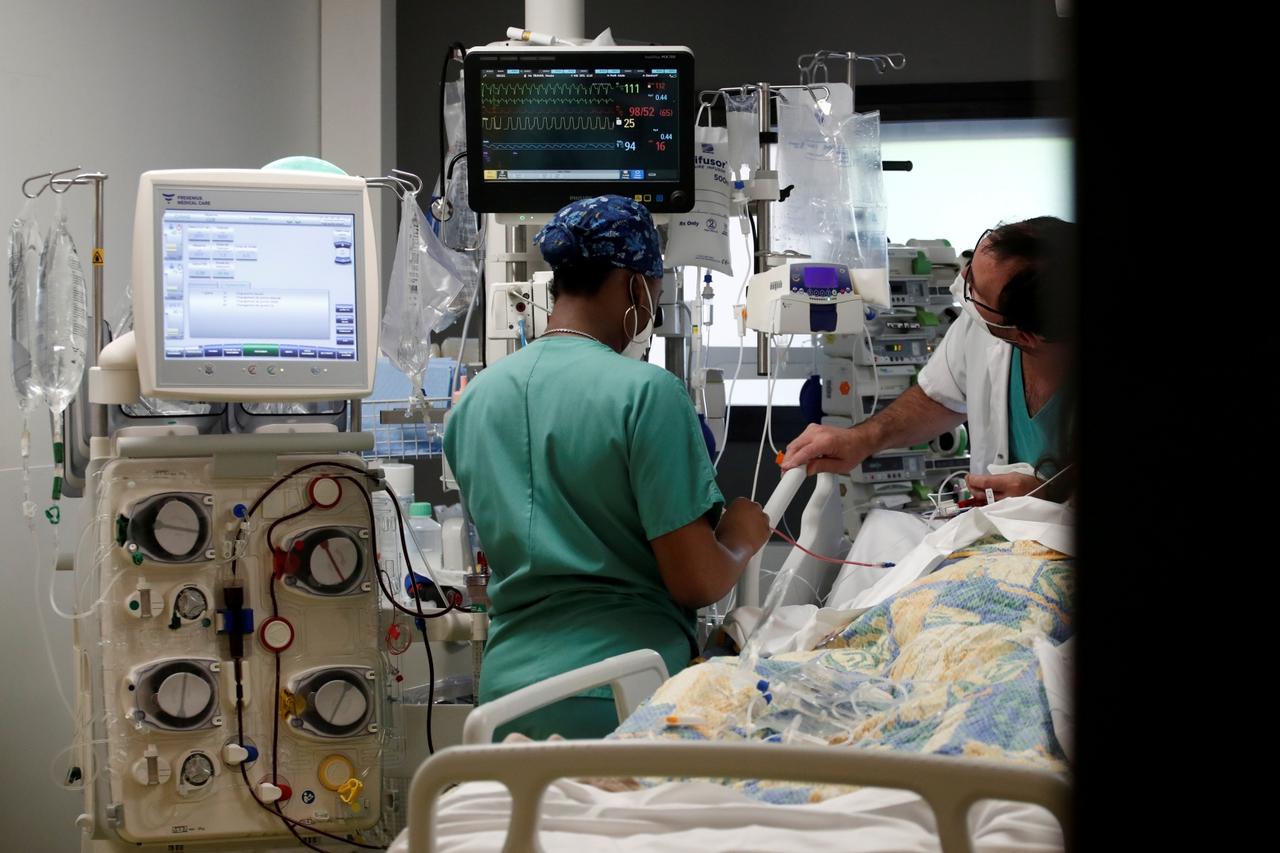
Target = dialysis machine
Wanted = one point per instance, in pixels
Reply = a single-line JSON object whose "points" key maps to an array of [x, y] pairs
{"points": [[233, 684]]}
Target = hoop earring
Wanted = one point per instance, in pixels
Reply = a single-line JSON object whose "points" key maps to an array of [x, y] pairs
{"points": [[635, 323]]}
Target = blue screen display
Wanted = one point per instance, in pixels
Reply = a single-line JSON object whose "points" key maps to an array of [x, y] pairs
{"points": [[820, 276]]}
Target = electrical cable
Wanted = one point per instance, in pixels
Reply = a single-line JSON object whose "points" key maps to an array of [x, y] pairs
{"points": [[421, 616], [44, 628], [449, 53], [462, 341], [767, 431], [875, 374], [742, 343], [1050, 480]]}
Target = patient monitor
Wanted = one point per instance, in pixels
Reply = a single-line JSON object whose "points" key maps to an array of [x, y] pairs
{"points": [[253, 285], [548, 126]]}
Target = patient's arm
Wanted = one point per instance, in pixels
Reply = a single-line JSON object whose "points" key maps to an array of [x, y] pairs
{"points": [[700, 565]]}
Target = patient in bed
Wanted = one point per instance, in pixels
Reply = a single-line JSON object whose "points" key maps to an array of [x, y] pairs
{"points": [[950, 665]]}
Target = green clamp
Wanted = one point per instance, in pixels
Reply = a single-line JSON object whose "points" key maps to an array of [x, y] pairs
{"points": [[57, 453], [920, 490], [57, 488], [920, 264], [927, 318], [54, 514]]}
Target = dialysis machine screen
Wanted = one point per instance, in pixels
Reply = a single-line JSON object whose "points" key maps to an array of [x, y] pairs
{"points": [[258, 285], [254, 285]]}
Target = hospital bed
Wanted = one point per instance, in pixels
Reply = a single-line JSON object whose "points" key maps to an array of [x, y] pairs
{"points": [[520, 796]]}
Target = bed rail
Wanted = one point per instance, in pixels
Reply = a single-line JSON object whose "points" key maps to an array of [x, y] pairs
{"points": [[950, 785]]}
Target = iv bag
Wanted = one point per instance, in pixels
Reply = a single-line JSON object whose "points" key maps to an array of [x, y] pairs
{"points": [[837, 211], [25, 247], [462, 233], [464, 230], [424, 280], [860, 229], [701, 236], [742, 117], [808, 159], [61, 322]]}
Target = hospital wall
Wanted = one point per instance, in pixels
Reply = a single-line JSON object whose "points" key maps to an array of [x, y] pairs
{"points": [[123, 87]]}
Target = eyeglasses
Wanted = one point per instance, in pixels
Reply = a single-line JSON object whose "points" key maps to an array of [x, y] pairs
{"points": [[968, 278]]}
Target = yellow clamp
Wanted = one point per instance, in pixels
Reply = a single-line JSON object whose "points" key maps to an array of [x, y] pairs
{"points": [[349, 790], [291, 705]]}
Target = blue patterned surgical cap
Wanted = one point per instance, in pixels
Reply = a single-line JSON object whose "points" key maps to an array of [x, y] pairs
{"points": [[607, 228]]}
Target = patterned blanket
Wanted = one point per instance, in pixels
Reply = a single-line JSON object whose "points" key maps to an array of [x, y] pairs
{"points": [[946, 666]]}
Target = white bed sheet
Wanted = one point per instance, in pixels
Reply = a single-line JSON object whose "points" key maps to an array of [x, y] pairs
{"points": [[1026, 517], [700, 817], [796, 627]]}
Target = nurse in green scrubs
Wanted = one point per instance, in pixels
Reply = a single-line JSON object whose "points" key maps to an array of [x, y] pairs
{"points": [[585, 471]]}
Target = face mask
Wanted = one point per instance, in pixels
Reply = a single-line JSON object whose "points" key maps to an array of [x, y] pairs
{"points": [[957, 293], [638, 343]]}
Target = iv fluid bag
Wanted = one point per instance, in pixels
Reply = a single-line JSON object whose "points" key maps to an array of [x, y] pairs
{"points": [[61, 320], [742, 116], [424, 280], [25, 247], [463, 233]]}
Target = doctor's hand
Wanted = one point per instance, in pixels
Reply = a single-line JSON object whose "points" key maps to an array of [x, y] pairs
{"points": [[826, 449], [744, 526], [1004, 485]]}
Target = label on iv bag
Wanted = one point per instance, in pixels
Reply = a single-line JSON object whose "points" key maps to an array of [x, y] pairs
{"points": [[701, 236]]}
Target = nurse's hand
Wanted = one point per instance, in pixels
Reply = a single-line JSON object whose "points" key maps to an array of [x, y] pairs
{"points": [[1003, 485], [700, 565], [744, 526], [827, 449]]}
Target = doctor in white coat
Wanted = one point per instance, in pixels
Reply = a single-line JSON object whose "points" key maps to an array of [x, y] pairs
{"points": [[1016, 325]]}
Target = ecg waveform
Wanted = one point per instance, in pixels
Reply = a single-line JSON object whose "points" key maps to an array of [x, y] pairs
{"points": [[553, 146], [494, 94], [547, 122]]}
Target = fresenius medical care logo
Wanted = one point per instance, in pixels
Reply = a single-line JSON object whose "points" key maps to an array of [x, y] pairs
{"points": [[168, 197]]}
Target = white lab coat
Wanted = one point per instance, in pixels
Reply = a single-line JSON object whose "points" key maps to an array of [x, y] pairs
{"points": [[969, 374]]}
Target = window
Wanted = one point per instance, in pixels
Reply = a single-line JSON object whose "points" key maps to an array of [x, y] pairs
{"points": [[966, 176]]}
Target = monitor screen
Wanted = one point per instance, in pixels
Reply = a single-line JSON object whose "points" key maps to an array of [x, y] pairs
{"points": [[546, 129], [815, 276], [253, 284], [259, 285]]}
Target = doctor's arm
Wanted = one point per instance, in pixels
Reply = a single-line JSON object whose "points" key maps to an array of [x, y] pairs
{"points": [[700, 565], [912, 418]]}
